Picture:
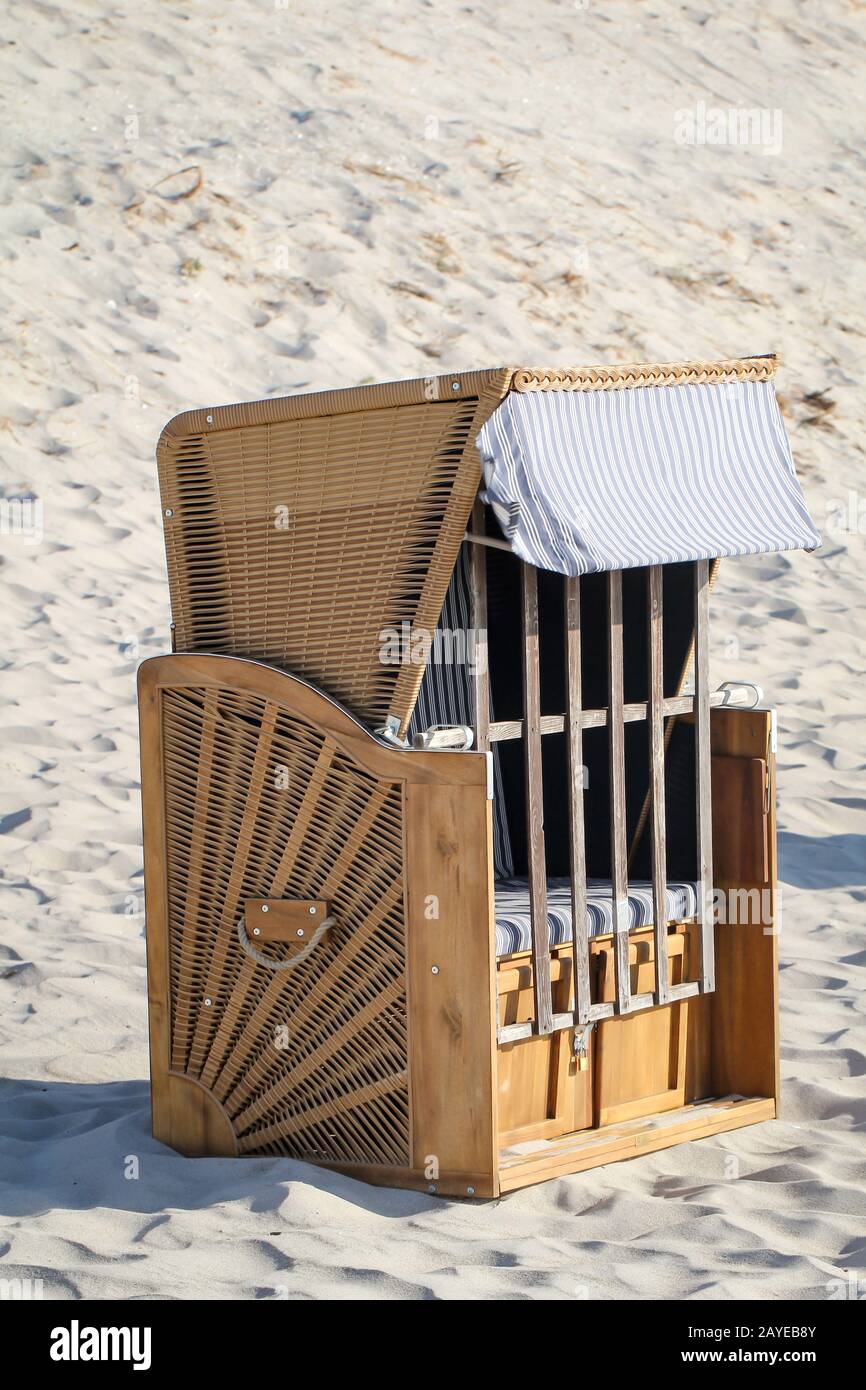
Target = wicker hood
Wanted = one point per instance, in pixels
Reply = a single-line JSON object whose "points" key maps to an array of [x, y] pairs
{"points": [[300, 530]]}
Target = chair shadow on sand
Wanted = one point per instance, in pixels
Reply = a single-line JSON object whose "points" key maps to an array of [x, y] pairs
{"points": [[834, 861], [72, 1145], [75, 1145]]}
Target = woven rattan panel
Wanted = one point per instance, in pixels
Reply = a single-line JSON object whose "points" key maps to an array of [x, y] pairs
{"points": [[309, 1062], [297, 541]]}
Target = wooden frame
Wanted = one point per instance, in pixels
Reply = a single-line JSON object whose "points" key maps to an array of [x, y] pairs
{"points": [[614, 717], [453, 1144], [652, 1013], [723, 1047], [448, 970], [535, 805]]}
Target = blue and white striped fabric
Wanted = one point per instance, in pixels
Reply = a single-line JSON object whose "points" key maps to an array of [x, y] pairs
{"points": [[514, 926], [585, 481], [446, 697]]}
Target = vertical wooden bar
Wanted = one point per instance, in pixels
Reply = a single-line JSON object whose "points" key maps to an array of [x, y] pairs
{"points": [[452, 1012], [574, 734], [706, 963], [541, 984], [478, 620], [616, 747], [656, 731]]}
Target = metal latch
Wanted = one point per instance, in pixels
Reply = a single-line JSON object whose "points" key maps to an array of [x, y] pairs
{"points": [[580, 1045], [390, 732]]}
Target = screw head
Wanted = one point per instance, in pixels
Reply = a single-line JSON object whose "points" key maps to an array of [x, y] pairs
{"points": [[207, 1003], [470, 1192], [434, 969], [264, 907], [432, 1187], [312, 912], [455, 386], [257, 931], [169, 511], [210, 419], [300, 931]]}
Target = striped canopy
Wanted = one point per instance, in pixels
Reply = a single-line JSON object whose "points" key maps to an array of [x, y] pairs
{"points": [[590, 480]]}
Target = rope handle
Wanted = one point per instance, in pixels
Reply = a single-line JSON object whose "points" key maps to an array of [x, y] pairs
{"points": [[249, 948]]}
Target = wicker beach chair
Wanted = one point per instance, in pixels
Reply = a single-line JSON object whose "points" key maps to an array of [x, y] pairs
{"points": [[459, 876]]}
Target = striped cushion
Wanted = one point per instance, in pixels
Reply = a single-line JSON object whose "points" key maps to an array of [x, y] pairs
{"points": [[513, 925], [446, 697], [585, 481]]}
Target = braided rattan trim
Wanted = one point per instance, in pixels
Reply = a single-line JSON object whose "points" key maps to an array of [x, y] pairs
{"points": [[645, 374]]}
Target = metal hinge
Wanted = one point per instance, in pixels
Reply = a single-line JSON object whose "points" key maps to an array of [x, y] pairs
{"points": [[390, 732]]}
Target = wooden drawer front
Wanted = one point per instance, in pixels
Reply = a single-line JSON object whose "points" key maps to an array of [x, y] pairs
{"points": [[543, 1090], [650, 1062], [640, 1062]]}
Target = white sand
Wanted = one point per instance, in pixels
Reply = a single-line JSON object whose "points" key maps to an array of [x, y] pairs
{"points": [[385, 197]]}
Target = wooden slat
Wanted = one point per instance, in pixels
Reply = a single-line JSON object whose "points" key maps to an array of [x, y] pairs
{"points": [[656, 731], [183, 997], [515, 1032], [478, 621], [744, 1008], [600, 1011], [616, 746], [535, 804], [594, 1147], [452, 1014], [717, 698], [477, 537], [577, 839], [636, 1002], [684, 991], [706, 962], [505, 729]]}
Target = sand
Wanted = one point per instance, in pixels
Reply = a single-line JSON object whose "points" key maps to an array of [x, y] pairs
{"points": [[380, 191]]}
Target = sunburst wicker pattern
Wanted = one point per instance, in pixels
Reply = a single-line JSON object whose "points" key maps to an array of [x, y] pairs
{"points": [[310, 1062]]}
